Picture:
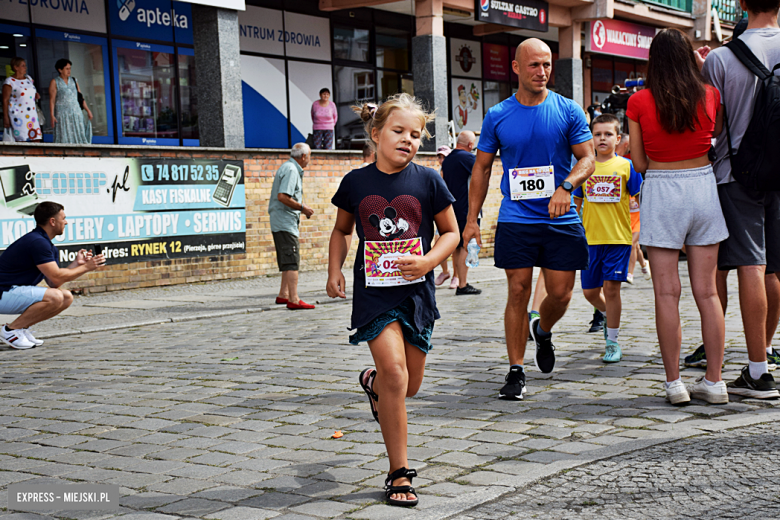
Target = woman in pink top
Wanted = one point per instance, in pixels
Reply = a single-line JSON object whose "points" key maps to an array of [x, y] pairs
{"points": [[323, 116]]}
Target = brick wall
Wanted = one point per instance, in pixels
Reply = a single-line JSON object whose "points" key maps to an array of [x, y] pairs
{"points": [[320, 182]]}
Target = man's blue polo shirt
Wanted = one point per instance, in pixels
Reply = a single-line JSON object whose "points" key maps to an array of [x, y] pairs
{"points": [[18, 264], [540, 135]]}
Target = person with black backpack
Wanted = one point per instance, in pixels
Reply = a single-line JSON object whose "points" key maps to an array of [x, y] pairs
{"points": [[747, 170]]}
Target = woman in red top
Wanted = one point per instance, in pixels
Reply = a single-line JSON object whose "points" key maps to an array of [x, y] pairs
{"points": [[671, 124]]}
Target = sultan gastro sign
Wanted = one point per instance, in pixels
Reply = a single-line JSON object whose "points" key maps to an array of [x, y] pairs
{"points": [[526, 14]]}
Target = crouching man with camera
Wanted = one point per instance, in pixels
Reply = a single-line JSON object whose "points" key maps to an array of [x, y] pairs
{"points": [[28, 261]]}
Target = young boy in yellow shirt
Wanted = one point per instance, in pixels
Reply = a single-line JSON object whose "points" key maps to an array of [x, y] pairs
{"points": [[607, 222]]}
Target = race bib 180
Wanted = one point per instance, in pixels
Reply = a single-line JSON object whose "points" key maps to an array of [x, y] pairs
{"points": [[380, 260], [532, 183]]}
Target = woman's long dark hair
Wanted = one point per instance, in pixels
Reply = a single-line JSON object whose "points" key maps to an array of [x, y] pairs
{"points": [[675, 81]]}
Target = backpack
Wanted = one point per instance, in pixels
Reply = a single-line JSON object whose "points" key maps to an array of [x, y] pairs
{"points": [[756, 165]]}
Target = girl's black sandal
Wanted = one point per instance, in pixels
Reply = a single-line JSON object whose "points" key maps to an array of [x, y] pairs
{"points": [[391, 490], [368, 388]]}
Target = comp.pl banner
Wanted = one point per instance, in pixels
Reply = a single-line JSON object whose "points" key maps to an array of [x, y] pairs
{"points": [[135, 209]]}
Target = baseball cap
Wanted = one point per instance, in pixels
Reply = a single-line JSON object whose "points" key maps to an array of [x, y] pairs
{"points": [[444, 150]]}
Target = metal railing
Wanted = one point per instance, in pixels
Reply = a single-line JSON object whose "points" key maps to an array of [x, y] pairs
{"points": [[677, 5], [729, 11]]}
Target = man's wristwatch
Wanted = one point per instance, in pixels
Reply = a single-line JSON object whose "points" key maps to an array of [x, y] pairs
{"points": [[566, 185]]}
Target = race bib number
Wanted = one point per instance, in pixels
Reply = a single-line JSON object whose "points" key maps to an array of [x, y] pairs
{"points": [[603, 188], [532, 183], [380, 260]]}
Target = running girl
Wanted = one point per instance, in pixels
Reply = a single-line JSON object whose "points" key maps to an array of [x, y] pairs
{"points": [[394, 204]]}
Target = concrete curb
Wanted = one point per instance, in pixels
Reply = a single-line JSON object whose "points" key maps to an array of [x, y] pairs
{"points": [[177, 319]]}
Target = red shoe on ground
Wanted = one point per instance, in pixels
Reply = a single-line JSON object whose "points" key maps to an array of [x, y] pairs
{"points": [[281, 301], [300, 305]]}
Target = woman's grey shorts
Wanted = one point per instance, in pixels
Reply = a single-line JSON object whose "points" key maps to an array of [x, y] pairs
{"points": [[681, 207]]}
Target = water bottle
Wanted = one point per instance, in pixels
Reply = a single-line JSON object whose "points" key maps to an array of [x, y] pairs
{"points": [[472, 259]]}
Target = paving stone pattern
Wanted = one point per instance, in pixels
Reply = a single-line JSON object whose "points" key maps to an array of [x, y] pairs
{"points": [[231, 417], [724, 475]]}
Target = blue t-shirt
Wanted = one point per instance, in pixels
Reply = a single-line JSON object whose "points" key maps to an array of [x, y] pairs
{"points": [[18, 264], [528, 137], [457, 174], [386, 207]]}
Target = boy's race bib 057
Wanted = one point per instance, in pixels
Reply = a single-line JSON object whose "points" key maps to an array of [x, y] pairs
{"points": [[603, 188], [380, 258], [532, 183]]}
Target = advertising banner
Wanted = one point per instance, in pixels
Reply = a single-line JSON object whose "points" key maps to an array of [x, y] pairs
{"points": [[496, 62], [524, 14], [466, 98], [618, 38], [465, 58], [85, 15], [16, 10], [135, 209], [262, 30]]}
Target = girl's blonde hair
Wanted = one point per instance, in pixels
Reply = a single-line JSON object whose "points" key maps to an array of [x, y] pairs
{"points": [[374, 116]]}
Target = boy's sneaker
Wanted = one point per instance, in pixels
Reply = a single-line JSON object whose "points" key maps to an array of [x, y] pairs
{"points": [[514, 389], [762, 388], [696, 360], [598, 321], [646, 272], [677, 394], [468, 289], [713, 394], [630, 278], [613, 353], [35, 341], [544, 357], [773, 359], [16, 338]]}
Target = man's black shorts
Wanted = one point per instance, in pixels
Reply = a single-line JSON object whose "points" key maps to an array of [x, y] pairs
{"points": [[556, 247], [288, 255]]}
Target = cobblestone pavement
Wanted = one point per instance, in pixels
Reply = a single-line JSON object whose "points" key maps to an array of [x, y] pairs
{"points": [[725, 475], [231, 417]]}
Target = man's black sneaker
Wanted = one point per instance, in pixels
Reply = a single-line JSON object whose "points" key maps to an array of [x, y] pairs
{"points": [[696, 360], [762, 388], [514, 389], [597, 323], [544, 357], [468, 289]]}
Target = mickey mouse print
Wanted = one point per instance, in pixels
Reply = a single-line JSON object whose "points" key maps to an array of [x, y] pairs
{"points": [[391, 232]]}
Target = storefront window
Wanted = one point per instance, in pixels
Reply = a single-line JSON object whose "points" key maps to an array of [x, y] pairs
{"points": [[495, 93], [15, 41], [89, 65], [146, 85], [623, 71], [601, 80], [350, 43], [189, 97], [351, 86], [392, 48]]}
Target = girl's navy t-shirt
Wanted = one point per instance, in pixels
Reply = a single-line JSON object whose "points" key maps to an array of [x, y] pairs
{"points": [[379, 202]]}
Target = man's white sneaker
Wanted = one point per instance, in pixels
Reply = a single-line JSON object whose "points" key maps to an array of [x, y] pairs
{"points": [[35, 341], [713, 394], [646, 271], [676, 393], [15, 338]]}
